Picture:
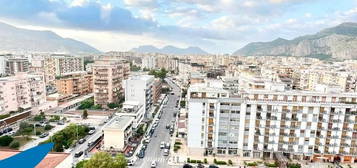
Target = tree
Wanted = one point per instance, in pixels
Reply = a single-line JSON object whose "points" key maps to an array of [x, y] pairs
{"points": [[6, 140], [112, 105], [85, 114], [120, 161], [15, 144], [81, 164], [104, 160]]}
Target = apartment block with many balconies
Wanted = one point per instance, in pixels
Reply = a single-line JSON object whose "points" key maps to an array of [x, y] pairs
{"points": [[77, 83], [58, 65], [311, 125], [108, 75], [21, 91]]}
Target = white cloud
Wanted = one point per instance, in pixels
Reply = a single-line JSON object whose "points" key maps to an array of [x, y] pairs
{"points": [[76, 3], [224, 22], [141, 3], [105, 12]]}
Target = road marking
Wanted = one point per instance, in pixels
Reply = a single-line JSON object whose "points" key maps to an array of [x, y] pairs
{"points": [[160, 159]]}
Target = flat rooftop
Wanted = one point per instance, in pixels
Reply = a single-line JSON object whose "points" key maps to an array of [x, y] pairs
{"points": [[120, 122]]}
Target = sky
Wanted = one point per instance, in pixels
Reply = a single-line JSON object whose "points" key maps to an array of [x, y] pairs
{"points": [[217, 26]]}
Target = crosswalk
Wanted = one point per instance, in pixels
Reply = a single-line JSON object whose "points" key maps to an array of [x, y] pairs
{"points": [[160, 159]]}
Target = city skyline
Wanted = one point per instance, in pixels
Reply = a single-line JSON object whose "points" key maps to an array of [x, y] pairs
{"points": [[217, 27]]}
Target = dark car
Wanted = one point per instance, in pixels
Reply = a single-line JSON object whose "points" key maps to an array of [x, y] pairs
{"points": [[6, 130], [78, 154], [200, 166], [213, 166], [187, 166], [141, 154]]}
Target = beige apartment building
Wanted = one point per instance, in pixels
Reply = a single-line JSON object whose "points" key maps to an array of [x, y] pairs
{"points": [[108, 75], [21, 91], [78, 83], [57, 65]]}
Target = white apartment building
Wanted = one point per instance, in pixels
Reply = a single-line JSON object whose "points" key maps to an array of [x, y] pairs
{"points": [[148, 62], [261, 122], [21, 91], [140, 88], [117, 133], [133, 109]]}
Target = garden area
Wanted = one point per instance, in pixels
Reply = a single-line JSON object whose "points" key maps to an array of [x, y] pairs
{"points": [[27, 129], [89, 104], [13, 142], [67, 137]]}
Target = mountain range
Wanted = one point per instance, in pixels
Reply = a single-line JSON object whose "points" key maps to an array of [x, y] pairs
{"points": [[339, 42], [15, 39], [169, 50]]}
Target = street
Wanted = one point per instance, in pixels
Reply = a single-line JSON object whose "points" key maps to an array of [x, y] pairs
{"points": [[153, 151]]}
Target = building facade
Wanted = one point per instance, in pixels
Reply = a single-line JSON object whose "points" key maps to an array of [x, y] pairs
{"points": [[21, 91], [15, 65], [108, 75], [79, 83], [259, 123], [57, 65], [140, 88], [117, 133]]}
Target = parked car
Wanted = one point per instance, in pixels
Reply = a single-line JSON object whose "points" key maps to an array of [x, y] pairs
{"points": [[141, 154], [60, 123], [91, 132], [78, 154], [131, 162], [162, 145], [200, 165], [81, 141], [187, 166], [166, 152], [153, 164], [213, 166], [147, 140], [90, 143], [167, 126], [167, 145], [44, 135]]}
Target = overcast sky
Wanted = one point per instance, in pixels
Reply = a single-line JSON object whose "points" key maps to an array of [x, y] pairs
{"points": [[217, 26]]}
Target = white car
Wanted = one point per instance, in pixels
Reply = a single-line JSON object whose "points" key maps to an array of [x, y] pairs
{"points": [[153, 164], [166, 152], [147, 140], [162, 145], [131, 162]]}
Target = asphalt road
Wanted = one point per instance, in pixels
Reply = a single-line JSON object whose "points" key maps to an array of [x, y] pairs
{"points": [[153, 151]]}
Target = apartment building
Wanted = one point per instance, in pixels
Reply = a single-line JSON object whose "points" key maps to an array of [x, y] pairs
{"points": [[148, 62], [108, 75], [21, 91], [16, 64], [133, 109], [2, 64], [140, 88], [117, 133], [57, 65], [156, 92], [77, 83], [310, 125]]}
